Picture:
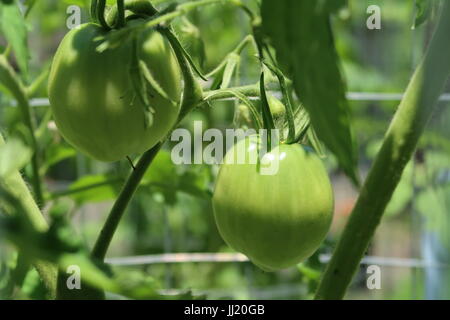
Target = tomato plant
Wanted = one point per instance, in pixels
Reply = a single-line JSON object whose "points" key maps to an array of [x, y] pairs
{"points": [[277, 220], [123, 87], [94, 103]]}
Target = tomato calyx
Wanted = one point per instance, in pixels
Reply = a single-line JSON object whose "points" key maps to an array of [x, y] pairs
{"points": [[193, 91]]}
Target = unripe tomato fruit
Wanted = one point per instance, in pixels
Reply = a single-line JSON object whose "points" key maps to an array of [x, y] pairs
{"points": [[276, 220], [94, 103]]}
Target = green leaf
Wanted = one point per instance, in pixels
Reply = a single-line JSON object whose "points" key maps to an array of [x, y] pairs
{"points": [[195, 182], [433, 204], [423, 11], [175, 42], [13, 26], [14, 155], [266, 114], [152, 82], [230, 67], [332, 6], [139, 84], [165, 177], [115, 38], [80, 3], [137, 285], [94, 188], [308, 272], [162, 171], [403, 193], [300, 31], [192, 40], [57, 153]]}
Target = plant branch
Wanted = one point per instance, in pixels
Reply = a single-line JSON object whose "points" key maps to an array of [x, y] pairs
{"points": [[103, 241], [221, 94], [398, 146], [238, 50], [15, 184], [101, 8], [120, 14], [15, 86]]}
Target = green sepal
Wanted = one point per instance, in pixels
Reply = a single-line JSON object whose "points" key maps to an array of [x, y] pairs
{"points": [[140, 85], [192, 91]]}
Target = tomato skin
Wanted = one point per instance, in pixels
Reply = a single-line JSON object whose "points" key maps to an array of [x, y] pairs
{"points": [[94, 103], [276, 220]]}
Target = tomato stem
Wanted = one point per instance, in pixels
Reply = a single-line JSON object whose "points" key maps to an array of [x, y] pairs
{"points": [[251, 91], [17, 89], [120, 14], [266, 113], [101, 6], [400, 141], [286, 101], [103, 241], [15, 184], [93, 11]]}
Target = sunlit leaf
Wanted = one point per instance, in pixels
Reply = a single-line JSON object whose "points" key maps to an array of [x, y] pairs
{"points": [[423, 11], [14, 155], [94, 188], [57, 153], [162, 171], [13, 27], [301, 33]]}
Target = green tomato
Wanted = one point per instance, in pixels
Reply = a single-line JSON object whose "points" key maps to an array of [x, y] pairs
{"points": [[94, 103], [276, 220]]}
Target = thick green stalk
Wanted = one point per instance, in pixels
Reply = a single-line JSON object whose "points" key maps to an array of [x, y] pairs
{"points": [[9, 79], [17, 186], [399, 144]]}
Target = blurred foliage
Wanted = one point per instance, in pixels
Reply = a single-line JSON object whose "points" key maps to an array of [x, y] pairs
{"points": [[171, 211]]}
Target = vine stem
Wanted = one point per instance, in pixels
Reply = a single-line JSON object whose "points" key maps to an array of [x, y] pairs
{"points": [[101, 8], [102, 244], [93, 10], [15, 184], [238, 50], [221, 94], [398, 146], [120, 14], [15, 86]]}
